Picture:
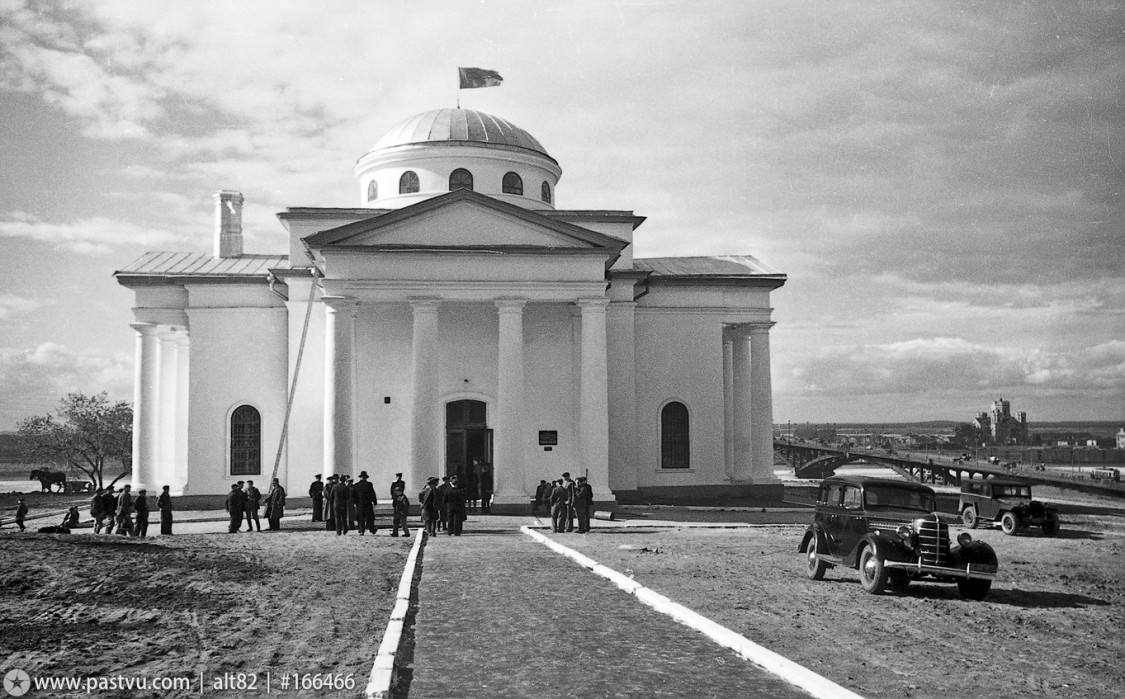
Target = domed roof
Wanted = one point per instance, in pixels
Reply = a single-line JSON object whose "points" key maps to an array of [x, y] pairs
{"points": [[456, 125]]}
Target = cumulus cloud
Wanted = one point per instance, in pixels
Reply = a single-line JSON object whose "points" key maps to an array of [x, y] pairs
{"points": [[93, 236], [35, 379], [10, 305]]}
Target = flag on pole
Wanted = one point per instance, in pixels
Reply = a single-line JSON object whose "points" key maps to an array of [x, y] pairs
{"points": [[479, 77]]}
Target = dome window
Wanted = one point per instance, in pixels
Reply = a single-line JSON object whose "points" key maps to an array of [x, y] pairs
{"points": [[372, 191], [460, 179], [513, 184], [546, 192], [408, 183]]}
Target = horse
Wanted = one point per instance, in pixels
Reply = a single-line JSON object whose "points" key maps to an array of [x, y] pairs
{"points": [[49, 478]]}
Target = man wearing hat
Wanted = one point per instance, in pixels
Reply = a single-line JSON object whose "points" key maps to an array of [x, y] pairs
{"points": [[236, 502], [140, 507], [583, 501], [454, 507], [316, 492], [329, 510], [341, 498], [443, 510], [428, 499], [363, 493], [397, 484]]}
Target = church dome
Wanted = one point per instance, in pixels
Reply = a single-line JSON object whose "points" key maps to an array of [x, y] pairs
{"points": [[441, 150], [458, 125]]}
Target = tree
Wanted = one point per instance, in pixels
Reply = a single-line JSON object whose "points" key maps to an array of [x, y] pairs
{"points": [[85, 433], [966, 434]]}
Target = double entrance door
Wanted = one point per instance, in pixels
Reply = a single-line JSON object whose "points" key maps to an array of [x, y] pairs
{"points": [[468, 447]]}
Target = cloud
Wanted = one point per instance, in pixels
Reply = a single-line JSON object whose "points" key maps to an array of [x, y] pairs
{"points": [[36, 379], [93, 236], [10, 305]]}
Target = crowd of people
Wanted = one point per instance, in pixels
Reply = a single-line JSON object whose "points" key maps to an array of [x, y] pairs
{"points": [[244, 500], [343, 504], [126, 514], [568, 501]]}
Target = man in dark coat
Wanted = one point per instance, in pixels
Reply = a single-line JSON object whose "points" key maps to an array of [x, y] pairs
{"points": [[397, 484], [443, 510], [427, 499], [236, 503], [275, 505], [401, 513], [252, 505], [570, 486], [21, 514], [140, 507], [363, 493], [109, 504], [316, 492], [560, 503], [125, 512], [583, 501], [454, 507], [97, 510], [164, 504], [341, 499], [542, 497], [486, 487], [329, 511]]}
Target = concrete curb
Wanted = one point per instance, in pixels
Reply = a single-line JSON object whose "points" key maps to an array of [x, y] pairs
{"points": [[383, 669], [771, 662]]}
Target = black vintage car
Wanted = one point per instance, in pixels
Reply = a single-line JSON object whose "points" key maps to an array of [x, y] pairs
{"points": [[891, 533], [1007, 501]]}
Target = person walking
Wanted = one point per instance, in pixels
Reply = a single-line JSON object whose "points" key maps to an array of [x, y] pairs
{"points": [[443, 510], [570, 486], [236, 503], [486, 488], [583, 501], [363, 494], [253, 503], [140, 507], [164, 504], [21, 514], [455, 507], [125, 512], [542, 497], [275, 505], [559, 506], [400, 507], [341, 499], [427, 499], [353, 510], [97, 510], [316, 492], [329, 511], [396, 485]]}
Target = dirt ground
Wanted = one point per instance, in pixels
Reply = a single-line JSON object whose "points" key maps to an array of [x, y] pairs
{"points": [[93, 606], [1051, 626]]}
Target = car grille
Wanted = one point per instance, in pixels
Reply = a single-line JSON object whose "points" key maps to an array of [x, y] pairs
{"points": [[933, 542]]}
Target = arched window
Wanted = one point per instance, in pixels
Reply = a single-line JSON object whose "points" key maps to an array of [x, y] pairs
{"points": [[546, 191], [675, 440], [372, 191], [408, 183], [513, 184], [245, 441], [460, 179]]}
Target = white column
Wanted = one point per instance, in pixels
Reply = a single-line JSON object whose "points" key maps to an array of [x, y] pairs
{"points": [[761, 404], [594, 408], [728, 404], [166, 411], [179, 482], [509, 471], [740, 388], [622, 389], [425, 427], [339, 352], [146, 394]]}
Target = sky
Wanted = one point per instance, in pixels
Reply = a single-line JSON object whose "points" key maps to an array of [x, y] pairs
{"points": [[941, 182]]}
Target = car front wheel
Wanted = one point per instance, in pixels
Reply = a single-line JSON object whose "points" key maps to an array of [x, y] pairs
{"points": [[872, 574], [814, 567], [1010, 522], [969, 517]]}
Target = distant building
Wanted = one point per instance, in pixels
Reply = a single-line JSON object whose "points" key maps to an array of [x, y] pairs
{"points": [[999, 426], [1121, 438]]}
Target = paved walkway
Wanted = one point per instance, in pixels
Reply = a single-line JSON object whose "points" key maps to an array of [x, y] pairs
{"points": [[500, 615]]}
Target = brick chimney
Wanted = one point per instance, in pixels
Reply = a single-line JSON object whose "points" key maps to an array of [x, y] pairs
{"points": [[228, 223]]}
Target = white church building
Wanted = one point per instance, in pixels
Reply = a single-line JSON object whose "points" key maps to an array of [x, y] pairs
{"points": [[456, 320]]}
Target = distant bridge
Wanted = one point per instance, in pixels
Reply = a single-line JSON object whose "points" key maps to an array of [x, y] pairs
{"points": [[813, 460]]}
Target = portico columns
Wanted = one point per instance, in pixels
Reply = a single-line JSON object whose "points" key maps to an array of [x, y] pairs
{"points": [[761, 409], [594, 405], [339, 356], [728, 403], [741, 444], [183, 357], [509, 471], [167, 418], [146, 393], [424, 427]]}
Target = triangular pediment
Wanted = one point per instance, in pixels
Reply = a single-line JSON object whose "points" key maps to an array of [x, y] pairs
{"points": [[461, 220]]}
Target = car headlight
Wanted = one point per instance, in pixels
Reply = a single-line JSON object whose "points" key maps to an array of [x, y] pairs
{"points": [[964, 539], [907, 535]]}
